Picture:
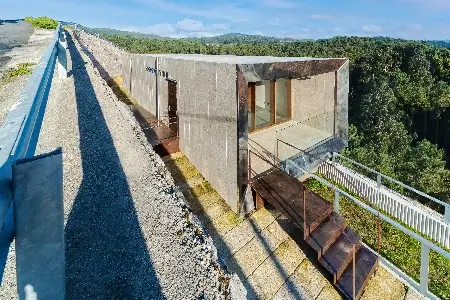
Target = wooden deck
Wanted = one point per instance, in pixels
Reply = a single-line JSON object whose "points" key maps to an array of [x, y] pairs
{"points": [[163, 138], [325, 231]]}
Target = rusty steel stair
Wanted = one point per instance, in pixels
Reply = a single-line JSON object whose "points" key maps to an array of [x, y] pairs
{"points": [[326, 233], [340, 253], [335, 244]]}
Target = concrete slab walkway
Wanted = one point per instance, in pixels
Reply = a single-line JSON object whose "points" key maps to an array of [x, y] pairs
{"points": [[265, 250]]}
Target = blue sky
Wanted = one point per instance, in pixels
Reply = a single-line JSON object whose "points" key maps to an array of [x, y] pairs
{"points": [[413, 19]]}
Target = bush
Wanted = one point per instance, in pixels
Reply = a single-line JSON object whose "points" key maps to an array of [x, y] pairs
{"points": [[42, 22], [21, 69]]}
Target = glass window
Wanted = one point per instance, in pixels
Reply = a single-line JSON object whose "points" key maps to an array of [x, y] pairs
{"points": [[283, 100], [264, 104], [269, 103]]}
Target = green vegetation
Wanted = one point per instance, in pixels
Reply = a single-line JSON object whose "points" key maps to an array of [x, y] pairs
{"points": [[21, 69], [402, 250], [42, 22], [398, 102], [399, 121]]}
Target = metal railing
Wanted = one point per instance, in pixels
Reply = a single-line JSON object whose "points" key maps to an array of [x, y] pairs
{"points": [[293, 213], [380, 176], [20, 131], [420, 217], [426, 245]]}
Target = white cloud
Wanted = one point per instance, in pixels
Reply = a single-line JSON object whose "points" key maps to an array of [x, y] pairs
{"points": [[190, 25], [323, 17], [218, 26], [281, 3], [158, 29], [371, 29], [226, 11], [183, 28], [414, 26]]}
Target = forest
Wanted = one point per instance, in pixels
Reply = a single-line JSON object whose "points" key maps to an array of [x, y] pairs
{"points": [[398, 103]]}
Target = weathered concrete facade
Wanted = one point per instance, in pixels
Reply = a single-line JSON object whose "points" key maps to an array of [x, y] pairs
{"points": [[206, 108], [212, 107]]}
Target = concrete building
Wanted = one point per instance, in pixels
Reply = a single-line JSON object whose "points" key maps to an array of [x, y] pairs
{"points": [[230, 110]]}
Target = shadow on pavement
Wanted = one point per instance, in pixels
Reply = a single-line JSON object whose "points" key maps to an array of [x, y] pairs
{"points": [[106, 253]]}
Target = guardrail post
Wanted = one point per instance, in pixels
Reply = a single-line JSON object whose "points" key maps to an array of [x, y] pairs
{"points": [[39, 226], [336, 201], [62, 55], [424, 269], [333, 158]]}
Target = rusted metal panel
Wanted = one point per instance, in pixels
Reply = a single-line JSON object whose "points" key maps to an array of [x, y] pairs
{"points": [[294, 69]]}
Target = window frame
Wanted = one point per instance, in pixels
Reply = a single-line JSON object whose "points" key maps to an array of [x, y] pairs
{"points": [[251, 106]]}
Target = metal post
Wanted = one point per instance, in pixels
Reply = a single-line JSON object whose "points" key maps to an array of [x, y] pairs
{"points": [[156, 90], [336, 201], [354, 272], [424, 269], [249, 176], [304, 211], [379, 234], [62, 55], [333, 158], [278, 159], [447, 214], [39, 226], [379, 181]]}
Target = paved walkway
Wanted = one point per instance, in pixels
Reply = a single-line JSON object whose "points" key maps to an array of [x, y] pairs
{"points": [[265, 250]]}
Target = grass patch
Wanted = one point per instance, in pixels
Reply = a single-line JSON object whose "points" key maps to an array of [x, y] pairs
{"points": [[42, 22], [399, 248], [20, 70]]}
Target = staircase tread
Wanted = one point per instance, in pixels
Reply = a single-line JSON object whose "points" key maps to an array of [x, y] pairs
{"points": [[326, 233], [365, 266], [340, 253], [285, 193]]}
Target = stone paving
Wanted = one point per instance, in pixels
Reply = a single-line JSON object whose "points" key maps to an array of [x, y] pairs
{"points": [[264, 249]]}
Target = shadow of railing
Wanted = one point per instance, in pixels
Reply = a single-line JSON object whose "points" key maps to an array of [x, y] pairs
{"points": [[106, 253]]}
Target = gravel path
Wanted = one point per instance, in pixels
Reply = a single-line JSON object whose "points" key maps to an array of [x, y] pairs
{"points": [[21, 48], [129, 233]]}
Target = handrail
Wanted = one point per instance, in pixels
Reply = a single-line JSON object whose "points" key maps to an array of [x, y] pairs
{"points": [[376, 212], [20, 130], [425, 244], [316, 157], [446, 205], [305, 235]]}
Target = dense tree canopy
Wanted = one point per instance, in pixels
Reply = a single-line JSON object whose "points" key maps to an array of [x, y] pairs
{"points": [[398, 102]]}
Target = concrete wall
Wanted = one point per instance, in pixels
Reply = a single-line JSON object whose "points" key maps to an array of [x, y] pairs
{"points": [[142, 83], [207, 110], [313, 101]]}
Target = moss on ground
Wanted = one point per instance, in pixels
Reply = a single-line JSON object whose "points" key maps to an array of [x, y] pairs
{"points": [[399, 248], [20, 70]]}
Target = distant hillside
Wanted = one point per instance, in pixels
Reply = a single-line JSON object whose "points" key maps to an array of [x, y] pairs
{"points": [[239, 38], [224, 39], [445, 44], [125, 33]]}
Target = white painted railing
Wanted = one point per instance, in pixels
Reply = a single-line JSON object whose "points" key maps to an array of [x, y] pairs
{"points": [[419, 217]]}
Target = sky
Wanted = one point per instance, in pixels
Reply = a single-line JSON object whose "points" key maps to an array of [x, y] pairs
{"points": [[311, 19]]}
